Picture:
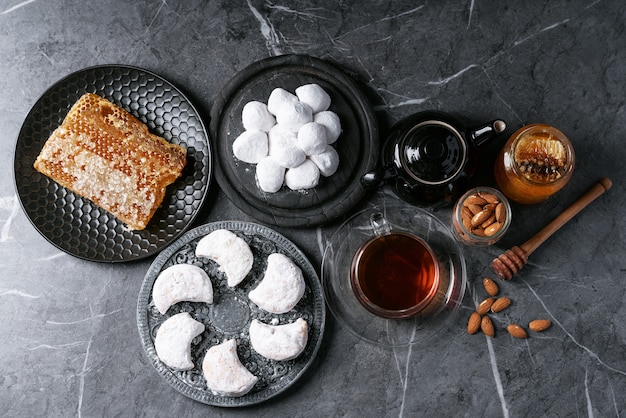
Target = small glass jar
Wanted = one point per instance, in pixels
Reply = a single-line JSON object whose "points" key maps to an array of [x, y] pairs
{"points": [[536, 162], [481, 216]]}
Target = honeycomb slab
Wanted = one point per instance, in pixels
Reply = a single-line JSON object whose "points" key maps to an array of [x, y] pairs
{"points": [[108, 156]]}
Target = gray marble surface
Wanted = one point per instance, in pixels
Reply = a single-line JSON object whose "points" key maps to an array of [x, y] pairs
{"points": [[70, 345]]}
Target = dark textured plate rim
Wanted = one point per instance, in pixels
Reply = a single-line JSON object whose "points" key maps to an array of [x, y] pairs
{"points": [[161, 260], [209, 161], [284, 217]]}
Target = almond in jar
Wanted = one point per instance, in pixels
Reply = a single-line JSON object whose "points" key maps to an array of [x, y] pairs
{"points": [[481, 216], [536, 162]]}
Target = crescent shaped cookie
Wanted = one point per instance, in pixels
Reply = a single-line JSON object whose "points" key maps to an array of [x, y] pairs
{"points": [[230, 252], [181, 282], [279, 342], [281, 287], [224, 372], [173, 340]]}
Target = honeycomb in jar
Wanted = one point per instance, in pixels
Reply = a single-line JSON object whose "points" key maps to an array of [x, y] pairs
{"points": [[105, 154], [541, 157]]}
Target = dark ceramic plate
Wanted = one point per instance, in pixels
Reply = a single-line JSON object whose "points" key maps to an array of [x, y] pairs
{"points": [[357, 146], [231, 313], [76, 225]]}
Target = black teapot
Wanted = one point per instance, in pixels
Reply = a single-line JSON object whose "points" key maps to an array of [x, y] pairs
{"points": [[430, 157]]}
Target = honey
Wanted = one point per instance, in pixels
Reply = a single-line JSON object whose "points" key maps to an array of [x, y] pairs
{"points": [[536, 162], [105, 154]]}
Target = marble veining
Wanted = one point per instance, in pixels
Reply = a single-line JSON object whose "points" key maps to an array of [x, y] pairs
{"points": [[11, 205], [70, 340], [17, 6], [272, 39]]}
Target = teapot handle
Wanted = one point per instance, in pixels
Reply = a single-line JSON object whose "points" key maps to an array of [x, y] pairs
{"points": [[484, 134], [378, 176]]}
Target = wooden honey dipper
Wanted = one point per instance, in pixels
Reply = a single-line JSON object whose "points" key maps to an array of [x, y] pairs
{"points": [[509, 263]]}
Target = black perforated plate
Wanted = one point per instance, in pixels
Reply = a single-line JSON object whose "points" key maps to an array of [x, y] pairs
{"points": [[357, 146], [76, 225], [230, 315]]}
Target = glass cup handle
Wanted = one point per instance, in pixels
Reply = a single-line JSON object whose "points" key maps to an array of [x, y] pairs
{"points": [[379, 224]]}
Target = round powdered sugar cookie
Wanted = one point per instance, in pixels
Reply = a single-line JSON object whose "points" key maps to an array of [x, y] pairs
{"points": [[315, 96], [332, 123], [255, 116], [270, 175], [251, 146], [283, 147], [312, 138], [298, 129], [305, 176], [327, 161], [279, 99], [293, 115]]}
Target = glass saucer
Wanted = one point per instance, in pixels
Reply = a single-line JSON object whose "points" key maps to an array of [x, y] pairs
{"points": [[344, 305]]}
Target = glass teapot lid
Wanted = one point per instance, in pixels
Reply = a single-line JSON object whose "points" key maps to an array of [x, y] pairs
{"points": [[432, 152]]}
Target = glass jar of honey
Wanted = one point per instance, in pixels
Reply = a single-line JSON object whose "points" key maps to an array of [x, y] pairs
{"points": [[536, 162]]}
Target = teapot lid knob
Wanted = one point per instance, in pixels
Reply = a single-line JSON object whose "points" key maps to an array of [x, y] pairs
{"points": [[486, 133]]}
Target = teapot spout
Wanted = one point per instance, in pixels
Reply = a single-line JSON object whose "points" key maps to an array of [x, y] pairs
{"points": [[484, 134]]}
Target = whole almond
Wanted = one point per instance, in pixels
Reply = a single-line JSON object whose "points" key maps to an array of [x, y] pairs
{"points": [[500, 304], [516, 331], [479, 232], [485, 305], [490, 198], [493, 229], [473, 325], [539, 325], [480, 217], [489, 221], [473, 208], [500, 212], [466, 217], [490, 286], [486, 326], [475, 200]]}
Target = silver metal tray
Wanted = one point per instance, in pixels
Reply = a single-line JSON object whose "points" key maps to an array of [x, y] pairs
{"points": [[231, 313]]}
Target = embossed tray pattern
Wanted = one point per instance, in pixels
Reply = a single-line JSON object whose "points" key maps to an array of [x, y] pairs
{"points": [[231, 313]]}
